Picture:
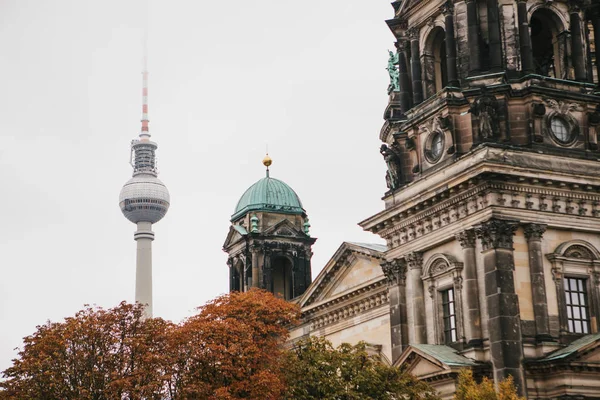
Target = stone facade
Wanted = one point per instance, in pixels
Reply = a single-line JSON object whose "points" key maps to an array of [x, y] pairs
{"points": [[496, 126], [492, 220], [271, 251]]}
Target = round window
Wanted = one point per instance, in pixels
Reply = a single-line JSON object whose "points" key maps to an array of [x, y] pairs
{"points": [[436, 147], [560, 130]]}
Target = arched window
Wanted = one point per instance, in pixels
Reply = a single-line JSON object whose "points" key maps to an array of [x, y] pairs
{"points": [[577, 276], [434, 58], [282, 278], [546, 45], [442, 275]]}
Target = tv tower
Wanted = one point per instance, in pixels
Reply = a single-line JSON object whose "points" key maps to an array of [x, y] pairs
{"points": [[144, 200]]}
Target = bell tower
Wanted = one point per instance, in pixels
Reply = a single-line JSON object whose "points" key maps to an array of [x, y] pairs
{"points": [[491, 145], [269, 244]]}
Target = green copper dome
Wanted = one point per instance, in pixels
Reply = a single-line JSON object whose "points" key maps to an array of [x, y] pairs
{"points": [[268, 194]]}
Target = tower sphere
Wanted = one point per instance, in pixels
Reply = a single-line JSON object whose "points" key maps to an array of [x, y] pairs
{"points": [[144, 198]]}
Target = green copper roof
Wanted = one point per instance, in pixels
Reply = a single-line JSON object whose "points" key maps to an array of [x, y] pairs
{"points": [[445, 354], [268, 194], [573, 347]]}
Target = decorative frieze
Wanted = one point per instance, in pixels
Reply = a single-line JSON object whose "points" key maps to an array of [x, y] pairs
{"points": [[348, 310], [447, 208]]}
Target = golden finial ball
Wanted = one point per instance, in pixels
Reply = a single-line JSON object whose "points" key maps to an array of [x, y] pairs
{"points": [[267, 161]]}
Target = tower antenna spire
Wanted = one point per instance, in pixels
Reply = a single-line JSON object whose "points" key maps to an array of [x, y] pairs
{"points": [[145, 133], [144, 199]]}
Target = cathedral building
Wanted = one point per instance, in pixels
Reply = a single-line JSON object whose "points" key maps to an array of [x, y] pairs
{"points": [[492, 217]]}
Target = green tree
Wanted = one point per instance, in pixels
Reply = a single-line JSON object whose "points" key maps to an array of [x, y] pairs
{"points": [[315, 370], [468, 389]]}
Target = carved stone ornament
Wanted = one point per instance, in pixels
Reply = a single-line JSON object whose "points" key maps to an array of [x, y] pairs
{"points": [[485, 108], [534, 231], [394, 271], [579, 252], [564, 112], [413, 33], [496, 234], [440, 265], [466, 238], [414, 260], [391, 155], [447, 8]]}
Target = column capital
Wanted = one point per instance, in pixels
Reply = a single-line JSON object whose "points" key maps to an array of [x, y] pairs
{"points": [[414, 260], [466, 238], [402, 44], [496, 233], [394, 271], [574, 6], [413, 33], [447, 8], [534, 231]]}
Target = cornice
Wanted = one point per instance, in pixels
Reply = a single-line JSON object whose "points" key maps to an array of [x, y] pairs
{"points": [[345, 298], [349, 306], [569, 206], [472, 167]]}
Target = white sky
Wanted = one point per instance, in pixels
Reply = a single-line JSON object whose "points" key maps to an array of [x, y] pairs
{"points": [[226, 78]]}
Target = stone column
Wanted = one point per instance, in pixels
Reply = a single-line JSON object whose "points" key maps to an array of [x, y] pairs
{"points": [[267, 280], [417, 328], [255, 278], [504, 323], [473, 38], [596, 23], [525, 39], [451, 68], [415, 66], [494, 36], [472, 314], [577, 43], [404, 81], [395, 272], [533, 234]]}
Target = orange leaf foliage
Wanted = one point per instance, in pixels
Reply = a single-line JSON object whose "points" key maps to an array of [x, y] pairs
{"points": [[230, 350]]}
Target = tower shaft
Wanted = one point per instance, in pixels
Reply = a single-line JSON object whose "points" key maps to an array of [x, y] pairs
{"points": [[143, 273]]}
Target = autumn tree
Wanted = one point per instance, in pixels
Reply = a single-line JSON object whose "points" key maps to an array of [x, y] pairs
{"points": [[230, 350], [315, 370], [468, 389], [97, 354], [233, 348]]}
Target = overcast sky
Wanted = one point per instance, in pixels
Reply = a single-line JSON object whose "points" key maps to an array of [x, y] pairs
{"points": [[226, 78]]}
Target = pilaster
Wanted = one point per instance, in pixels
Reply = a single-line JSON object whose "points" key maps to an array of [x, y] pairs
{"points": [[417, 325], [533, 234], [395, 272], [504, 323], [472, 314]]}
